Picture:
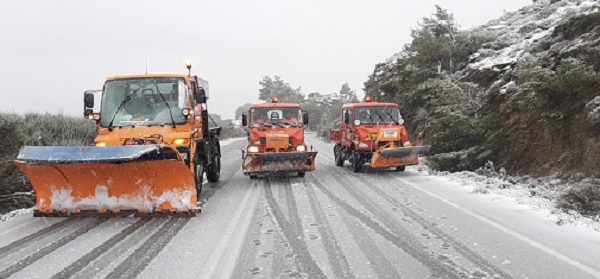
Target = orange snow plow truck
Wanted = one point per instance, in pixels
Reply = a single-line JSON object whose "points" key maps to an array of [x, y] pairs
{"points": [[276, 140], [153, 147], [372, 131]]}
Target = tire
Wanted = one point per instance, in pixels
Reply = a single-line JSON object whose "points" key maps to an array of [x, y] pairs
{"points": [[357, 161], [337, 153], [253, 176], [301, 174], [401, 168], [198, 175], [214, 170]]}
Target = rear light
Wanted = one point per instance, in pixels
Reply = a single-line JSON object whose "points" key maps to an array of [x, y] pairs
{"points": [[100, 144], [301, 148], [252, 149]]}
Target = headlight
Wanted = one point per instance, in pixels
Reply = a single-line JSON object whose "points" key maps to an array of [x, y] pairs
{"points": [[252, 149], [407, 144], [301, 148], [180, 142], [100, 144], [363, 145]]}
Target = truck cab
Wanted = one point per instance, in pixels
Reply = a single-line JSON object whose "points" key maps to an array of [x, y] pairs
{"points": [[276, 140], [373, 131]]}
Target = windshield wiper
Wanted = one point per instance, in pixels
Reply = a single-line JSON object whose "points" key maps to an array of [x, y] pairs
{"points": [[169, 107], [392, 117], [380, 117], [127, 99]]}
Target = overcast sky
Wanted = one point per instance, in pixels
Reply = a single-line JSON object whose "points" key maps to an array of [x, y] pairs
{"points": [[52, 51]]}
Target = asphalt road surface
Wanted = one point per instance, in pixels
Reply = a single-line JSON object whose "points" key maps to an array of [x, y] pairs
{"points": [[332, 223]]}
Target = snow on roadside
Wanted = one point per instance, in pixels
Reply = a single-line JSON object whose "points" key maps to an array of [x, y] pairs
{"points": [[16, 213], [539, 194]]}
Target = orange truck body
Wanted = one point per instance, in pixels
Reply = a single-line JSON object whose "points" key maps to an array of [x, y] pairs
{"points": [[276, 144], [374, 132], [138, 164]]}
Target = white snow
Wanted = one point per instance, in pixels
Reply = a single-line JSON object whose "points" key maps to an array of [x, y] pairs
{"points": [[142, 200], [519, 30], [537, 197], [16, 213]]}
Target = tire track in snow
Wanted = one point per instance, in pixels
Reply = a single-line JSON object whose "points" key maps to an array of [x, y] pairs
{"points": [[84, 261], [460, 248], [35, 236], [213, 187], [411, 248], [143, 255], [335, 255], [398, 230], [50, 248], [305, 262], [465, 251]]}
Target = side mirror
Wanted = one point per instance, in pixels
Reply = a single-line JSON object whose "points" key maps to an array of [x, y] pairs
{"points": [[201, 95], [88, 102], [244, 119], [305, 117]]}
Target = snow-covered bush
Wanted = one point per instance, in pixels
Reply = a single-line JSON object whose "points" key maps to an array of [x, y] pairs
{"points": [[583, 198], [577, 25], [593, 110], [462, 143], [33, 129]]}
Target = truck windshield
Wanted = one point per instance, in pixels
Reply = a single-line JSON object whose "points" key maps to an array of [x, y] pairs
{"points": [[275, 117], [377, 115], [143, 102]]}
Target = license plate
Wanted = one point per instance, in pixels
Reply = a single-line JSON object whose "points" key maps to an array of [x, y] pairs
{"points": [[390, 134]]}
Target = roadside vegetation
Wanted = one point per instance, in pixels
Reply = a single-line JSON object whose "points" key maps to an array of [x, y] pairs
{"points": [[18, 130]]}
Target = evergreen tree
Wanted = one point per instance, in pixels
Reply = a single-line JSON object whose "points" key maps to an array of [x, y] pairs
{"points": [[278, 88], [434, 41]]}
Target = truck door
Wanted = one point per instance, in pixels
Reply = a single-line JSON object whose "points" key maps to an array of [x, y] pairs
{"points": [[345, 130]]}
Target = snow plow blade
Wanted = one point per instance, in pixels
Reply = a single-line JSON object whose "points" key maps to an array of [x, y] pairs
{"points": [[399, 152], [113, 180], [279, 162], [397, 156]]}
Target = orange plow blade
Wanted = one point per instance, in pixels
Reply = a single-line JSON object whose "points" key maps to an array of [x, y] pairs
{"points": [[279, 162], [117, 180], [397, 156]]}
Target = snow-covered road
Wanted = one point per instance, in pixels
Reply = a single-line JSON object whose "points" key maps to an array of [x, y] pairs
{"points": [[332, 223]]}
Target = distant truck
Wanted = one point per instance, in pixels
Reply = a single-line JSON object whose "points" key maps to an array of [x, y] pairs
{"points": [[276, 140], [374, 132], [153, 147]]}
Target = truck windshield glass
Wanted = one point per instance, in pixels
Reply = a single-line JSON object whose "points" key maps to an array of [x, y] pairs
{"points": [[138, 102], [377, 115], [275, 117]]}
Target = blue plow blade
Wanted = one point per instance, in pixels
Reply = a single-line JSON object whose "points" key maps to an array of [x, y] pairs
{"points": [[50, 155]]}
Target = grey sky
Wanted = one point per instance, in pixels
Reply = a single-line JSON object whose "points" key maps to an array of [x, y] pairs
{"points": [[52, 51]]}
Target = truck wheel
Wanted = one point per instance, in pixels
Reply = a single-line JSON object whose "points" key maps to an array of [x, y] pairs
{"points": [[198, 175], [356, 161], [253, 176], [401, 168], [214, 170], [301, 174], [337, 153]]}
